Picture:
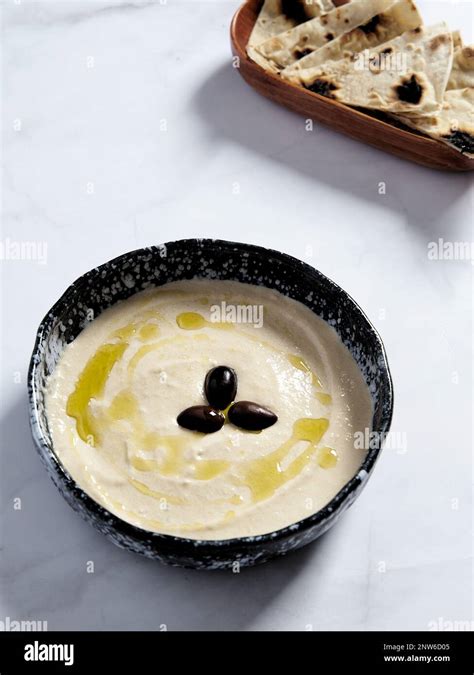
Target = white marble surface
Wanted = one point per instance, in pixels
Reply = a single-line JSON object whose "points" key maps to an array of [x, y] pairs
{"points": [[89, 170]]}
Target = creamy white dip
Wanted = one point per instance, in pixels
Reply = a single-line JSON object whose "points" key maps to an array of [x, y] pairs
{"points": [[113, 400]]}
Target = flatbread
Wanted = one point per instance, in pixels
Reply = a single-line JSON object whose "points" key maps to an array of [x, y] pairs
{"points": [[457, 39], [278, 16], [285, 49], [399, 18], [406, 75], [453, 124], [462, 73]]}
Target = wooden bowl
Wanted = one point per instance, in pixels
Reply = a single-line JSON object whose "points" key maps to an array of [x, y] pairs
{"points": [[354, 123]]}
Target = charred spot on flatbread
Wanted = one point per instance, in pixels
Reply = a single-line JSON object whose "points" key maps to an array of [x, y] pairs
{"points": [[388, 50], [301, 53], [462, 140], [439, 40], [409, 90], [323, 87], [294, 9], [329, 37], [370, 26]]}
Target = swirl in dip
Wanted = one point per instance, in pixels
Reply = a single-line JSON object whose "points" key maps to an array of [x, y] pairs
{"points": [[115, 395]]}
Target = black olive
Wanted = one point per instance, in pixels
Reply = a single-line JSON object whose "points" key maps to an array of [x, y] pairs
{"points": [[251, 416], [201, 418], [220, 387]]}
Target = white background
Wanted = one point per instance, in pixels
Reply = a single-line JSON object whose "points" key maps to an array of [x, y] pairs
{"points": [[86, 87]]}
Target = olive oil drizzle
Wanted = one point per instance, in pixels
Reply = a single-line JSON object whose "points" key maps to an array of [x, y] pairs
{"points": [[91, 385], [144, 329], [264, 476], [300, 364], [327, 458], [195, 321]]}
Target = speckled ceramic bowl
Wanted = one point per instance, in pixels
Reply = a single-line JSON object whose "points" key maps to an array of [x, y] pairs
{"points": [[120, 278]]}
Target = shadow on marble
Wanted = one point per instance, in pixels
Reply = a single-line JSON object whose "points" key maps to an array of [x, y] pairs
{"points": [[232, 111], [47, 549]]}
